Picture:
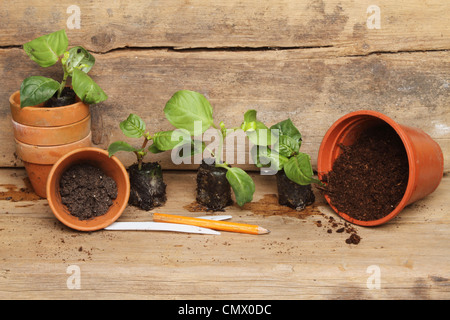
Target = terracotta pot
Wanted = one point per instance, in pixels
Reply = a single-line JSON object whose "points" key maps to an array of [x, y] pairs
{"points": [[425, 158], [38, 160], [43, 135], [47, 117], [111, 166], [50, 136]]}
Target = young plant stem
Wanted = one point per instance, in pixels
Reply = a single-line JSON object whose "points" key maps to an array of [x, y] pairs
{"points": [[141, 153], [63, 84], [223, 132]]}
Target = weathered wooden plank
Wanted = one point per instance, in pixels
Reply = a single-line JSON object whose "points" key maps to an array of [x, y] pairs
{"points": [[352, 26], [314, 91], [299, 259]]}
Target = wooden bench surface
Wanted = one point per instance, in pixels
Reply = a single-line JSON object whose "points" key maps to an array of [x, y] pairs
{"points": [[303, 257]]}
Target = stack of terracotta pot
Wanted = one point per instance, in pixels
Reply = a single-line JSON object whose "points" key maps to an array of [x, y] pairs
{"points": [[43, 135]]}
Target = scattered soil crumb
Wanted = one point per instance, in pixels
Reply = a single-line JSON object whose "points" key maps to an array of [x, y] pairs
{"points": [[197, 207], [269, 206], [14, 194]]}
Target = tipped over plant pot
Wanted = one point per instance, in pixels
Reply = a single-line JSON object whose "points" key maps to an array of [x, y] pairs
{"points": [[50, 118], [87, 190], [374, 167]]}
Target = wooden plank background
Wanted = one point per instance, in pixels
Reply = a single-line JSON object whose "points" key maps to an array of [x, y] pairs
{"points": [[312, 61]]}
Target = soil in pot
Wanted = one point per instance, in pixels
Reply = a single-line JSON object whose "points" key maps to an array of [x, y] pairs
{"points": [[292, 194], [369, 178], [87, 191], [67, 97], [213, 188], [147, 187]]}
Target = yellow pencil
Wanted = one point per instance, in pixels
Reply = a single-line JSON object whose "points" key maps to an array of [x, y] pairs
{"points": [[212, 224]]}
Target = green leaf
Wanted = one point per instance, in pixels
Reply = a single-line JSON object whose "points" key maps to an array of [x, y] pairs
{"points": [[265, 157], [250, 116], [86, 89], [189, 149], [37, 89], [260, 135], [133, 126], [154, 149], [167, 140], [287, 128], [120, 146], [257, 132], [47, 49], [287, 146], [299, 170], [250, 121], [185, 108], [243, 186], [79, 58]]}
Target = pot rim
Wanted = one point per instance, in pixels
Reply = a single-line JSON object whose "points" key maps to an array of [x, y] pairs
{"points": [[43, 116], [411, 163]]}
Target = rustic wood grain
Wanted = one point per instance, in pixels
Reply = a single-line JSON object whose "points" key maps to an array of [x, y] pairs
{"points": [[313, 61], [107, 25], [299, 259], [412, 88]]}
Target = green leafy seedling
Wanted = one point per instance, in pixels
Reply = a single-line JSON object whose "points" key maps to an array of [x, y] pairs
{"points": [[76, 63], [281, 150], [183, 110], [134, 127]]}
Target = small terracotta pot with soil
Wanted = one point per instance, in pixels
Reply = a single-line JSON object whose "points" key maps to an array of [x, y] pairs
{"points": [[374, 167], [213, 188], [147, 187], [87, 190]]}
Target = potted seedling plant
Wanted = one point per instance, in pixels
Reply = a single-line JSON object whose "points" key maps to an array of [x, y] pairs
{"points": [[278, 147], [51, 118], [192, 112], [147, 187]]}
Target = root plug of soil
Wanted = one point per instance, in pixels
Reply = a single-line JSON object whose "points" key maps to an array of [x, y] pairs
{"points": [[87, 191], [369, 178], [68, 97], [147, 187], [213, 188], [292, 194]]}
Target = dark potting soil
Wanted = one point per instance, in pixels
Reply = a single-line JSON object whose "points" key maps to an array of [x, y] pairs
{"points": [[68, 97], [87, 191], [147, 187], [292, 194], [213, 188], [369, 178]]}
